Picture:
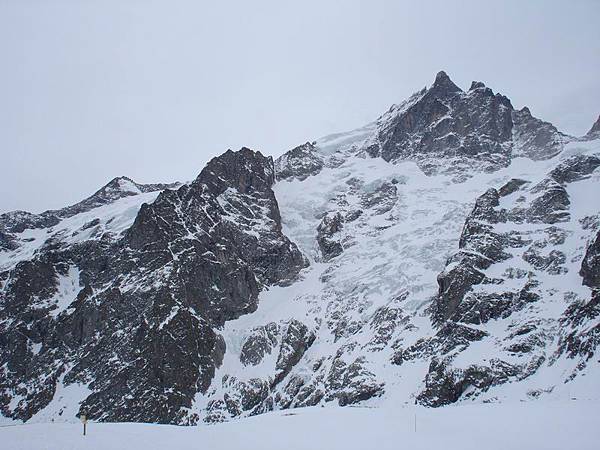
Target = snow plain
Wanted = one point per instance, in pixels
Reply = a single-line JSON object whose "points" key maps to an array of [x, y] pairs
{"points": [[557, 425]]}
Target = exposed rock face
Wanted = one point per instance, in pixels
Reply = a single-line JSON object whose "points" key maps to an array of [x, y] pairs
{"points": [[446, 123], [299, 163], [280, 347], [590, 267], [576, 168], [443, 129], [582, 319], [477, 129], [577, 343], [480, 248], [580, 324], [351, 383], [134, 318], [231, 200], [534, 138], [260, 343], [296, 340], [328, 235], [472, 292], [446, 385]]}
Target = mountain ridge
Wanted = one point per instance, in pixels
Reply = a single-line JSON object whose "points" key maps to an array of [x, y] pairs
{"points": [[445, 252]]}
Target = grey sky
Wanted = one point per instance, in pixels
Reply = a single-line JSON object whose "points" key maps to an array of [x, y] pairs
{"points": [[90, 90]]}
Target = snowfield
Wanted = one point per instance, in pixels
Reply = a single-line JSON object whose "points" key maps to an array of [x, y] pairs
{"points": [[392, 255], [557, 425]]}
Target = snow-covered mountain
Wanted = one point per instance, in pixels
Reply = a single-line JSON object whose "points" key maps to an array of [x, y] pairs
{"points": [[447, 252]]}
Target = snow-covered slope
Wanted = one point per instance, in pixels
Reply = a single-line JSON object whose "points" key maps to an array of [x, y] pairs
{"points": [[366, 304], [101, 222], [447, 252]]}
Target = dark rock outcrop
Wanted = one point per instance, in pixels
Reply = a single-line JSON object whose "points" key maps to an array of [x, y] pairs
{"points": [[576, 168], [351, 383], [329, 237], [534, 138], [590, 266], [261, 342], [299, 163], [577, 341], [527, 223], [481, 246], [446, 123], [296, 340], [445, 385], [594, 132]]}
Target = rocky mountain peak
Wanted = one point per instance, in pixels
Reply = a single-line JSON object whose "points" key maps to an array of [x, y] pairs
{"points": [[246, 170], [448, 127], [443, 84], [121, 184], [442, 129], [116, 181], [117, 187], [476, 85], [595, 130], [192, 259], [300, 163]]}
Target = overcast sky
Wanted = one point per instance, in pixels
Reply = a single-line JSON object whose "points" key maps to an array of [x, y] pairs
{"points": [[90, 90]]}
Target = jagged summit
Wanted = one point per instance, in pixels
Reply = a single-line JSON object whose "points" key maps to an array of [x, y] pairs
{"points": [[443, 85], [595, 130], [476, 85], [525, 110], [443, 130], [245, 169]]}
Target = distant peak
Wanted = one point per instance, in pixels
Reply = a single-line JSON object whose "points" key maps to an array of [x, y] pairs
{"points": [[118, 181], [247, 152], [595, 128], [476, 85], [525, 110], [442, 76], [122, 184], [444, 83], [309, 145]]}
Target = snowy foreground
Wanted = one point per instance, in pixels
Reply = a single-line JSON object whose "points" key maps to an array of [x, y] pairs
{"points": [[527, 425]]}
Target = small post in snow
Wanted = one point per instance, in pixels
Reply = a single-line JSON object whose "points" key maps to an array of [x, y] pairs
{"points": [[84, 421]]}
